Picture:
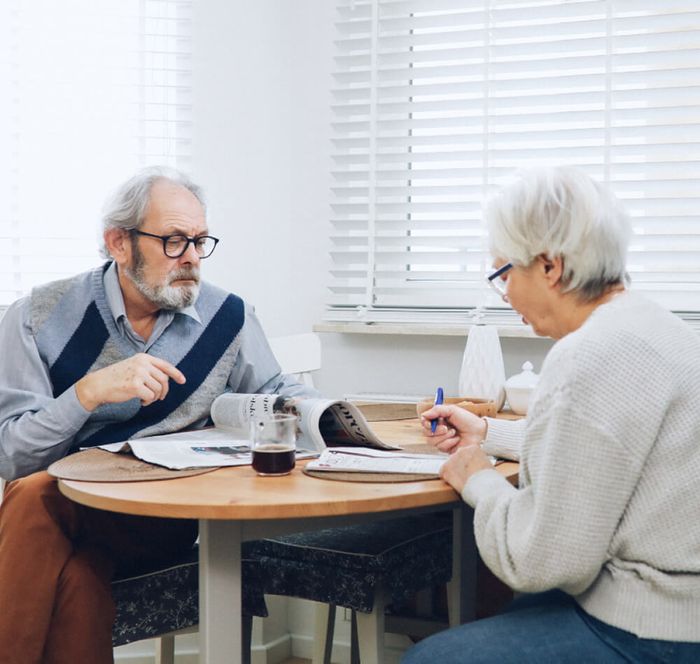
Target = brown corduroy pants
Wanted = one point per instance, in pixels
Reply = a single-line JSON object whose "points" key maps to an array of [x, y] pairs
{"points": [[57, 559]]}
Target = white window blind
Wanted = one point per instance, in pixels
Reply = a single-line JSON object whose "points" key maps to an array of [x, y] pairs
{"points": [[436, 101], [91, 90]]}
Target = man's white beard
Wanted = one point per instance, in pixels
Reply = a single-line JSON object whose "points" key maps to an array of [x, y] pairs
{"points": [[165, 296]]}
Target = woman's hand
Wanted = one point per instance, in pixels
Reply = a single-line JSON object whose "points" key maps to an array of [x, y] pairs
{"points": [[463, 464], [456, 427]]}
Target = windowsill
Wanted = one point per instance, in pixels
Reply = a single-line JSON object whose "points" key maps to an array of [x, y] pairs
{"points": [[418, 329]]}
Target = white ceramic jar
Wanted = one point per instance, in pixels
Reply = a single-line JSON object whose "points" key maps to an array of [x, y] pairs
{"points": [[519, 389], [483, 374]]}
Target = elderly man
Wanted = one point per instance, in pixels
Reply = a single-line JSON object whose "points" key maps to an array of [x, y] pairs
{"points": [[137, 346]]}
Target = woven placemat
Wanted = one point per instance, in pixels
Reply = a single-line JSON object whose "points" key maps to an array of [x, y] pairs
{"points": [[370, 477], [101, 466]]}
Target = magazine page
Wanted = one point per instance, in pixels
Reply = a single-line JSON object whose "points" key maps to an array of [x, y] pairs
{"points": [[234, 411], [309, 412], [343, 423], [366, 460], [329, 423]]}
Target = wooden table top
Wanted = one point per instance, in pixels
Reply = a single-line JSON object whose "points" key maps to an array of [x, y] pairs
{"points": [[239, 493]]}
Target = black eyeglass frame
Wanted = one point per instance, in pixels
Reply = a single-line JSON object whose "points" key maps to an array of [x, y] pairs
{"points": [[491, 278], [188, 240]]}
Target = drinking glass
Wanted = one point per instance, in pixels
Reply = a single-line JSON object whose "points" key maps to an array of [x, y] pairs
{"points": [[273, 442]]}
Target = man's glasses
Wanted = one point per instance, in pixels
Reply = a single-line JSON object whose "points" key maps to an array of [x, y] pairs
{"points": [[495, 280], [176, 245]]}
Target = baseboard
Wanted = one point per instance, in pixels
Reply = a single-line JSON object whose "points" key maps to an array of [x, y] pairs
{"points": [[273, 652], [143, 652], [303, 644], [180, 658]]}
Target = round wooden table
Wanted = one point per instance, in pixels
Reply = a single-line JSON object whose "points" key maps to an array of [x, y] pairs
{"points": [[234, 504]]}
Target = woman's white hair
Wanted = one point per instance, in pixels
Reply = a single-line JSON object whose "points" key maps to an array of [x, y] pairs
{"points": [[126, 208], [562, 212]]}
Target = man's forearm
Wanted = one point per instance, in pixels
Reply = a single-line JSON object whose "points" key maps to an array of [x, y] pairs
{"points": [[32, 436], [35, 426]]}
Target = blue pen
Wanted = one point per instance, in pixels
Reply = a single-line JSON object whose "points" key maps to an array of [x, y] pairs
{"points": [[438, 400]]}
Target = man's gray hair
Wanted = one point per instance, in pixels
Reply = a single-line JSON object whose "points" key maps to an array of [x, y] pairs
{"points": [[126, 208], [562, 212]]}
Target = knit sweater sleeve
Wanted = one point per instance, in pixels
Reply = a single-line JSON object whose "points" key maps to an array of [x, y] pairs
{"points": [[35, 427], [504, 438], [588, 433]]}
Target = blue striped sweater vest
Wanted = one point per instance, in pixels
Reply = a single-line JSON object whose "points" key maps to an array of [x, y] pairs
{"points": [[76, 334]]}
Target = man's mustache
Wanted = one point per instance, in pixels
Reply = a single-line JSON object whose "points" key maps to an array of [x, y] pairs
{"points": [[191, 273]]}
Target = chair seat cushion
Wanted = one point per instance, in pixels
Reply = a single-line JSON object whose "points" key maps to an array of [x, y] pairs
{"points": [[164, 600], [345, 566]]}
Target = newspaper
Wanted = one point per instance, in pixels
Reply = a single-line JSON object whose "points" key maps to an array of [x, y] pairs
{"points": [[203, 448], [359, 460], [187, 449]]}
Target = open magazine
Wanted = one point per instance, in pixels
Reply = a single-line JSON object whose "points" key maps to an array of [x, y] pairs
{"points": [[322, 423]]}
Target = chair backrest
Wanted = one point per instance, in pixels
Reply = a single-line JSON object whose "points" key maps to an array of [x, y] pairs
{"points": [[298, 354]]}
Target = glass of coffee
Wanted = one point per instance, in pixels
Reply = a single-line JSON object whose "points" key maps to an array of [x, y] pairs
{"points": [[273, 442]]}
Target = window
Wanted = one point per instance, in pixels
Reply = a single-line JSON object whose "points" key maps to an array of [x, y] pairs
{"points": [[436, 101], [92, 90]]}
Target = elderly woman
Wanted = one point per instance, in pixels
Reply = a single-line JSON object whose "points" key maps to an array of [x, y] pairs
{"points": [[603, 532]]}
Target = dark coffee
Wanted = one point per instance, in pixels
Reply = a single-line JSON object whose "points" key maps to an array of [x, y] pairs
{"points": [[273, 459]]}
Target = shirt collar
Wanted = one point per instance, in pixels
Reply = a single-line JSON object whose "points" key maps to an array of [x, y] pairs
{"points": [[115, 299]]}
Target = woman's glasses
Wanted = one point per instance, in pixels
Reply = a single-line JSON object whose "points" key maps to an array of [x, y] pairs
{"points": [[495, 279]]}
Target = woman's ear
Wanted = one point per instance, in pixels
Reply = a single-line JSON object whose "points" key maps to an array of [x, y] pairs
{"points": [[553, 268]]}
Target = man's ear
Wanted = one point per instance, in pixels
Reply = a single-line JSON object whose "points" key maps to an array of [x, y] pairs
{"points": [[118, 244], [553, 268]]}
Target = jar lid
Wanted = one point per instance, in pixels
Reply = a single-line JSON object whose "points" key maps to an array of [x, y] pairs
{"points": [[528, 378]]}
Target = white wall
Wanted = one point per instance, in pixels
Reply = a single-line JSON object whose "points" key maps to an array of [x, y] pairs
{"points": [[261, 149], [409, 365]]}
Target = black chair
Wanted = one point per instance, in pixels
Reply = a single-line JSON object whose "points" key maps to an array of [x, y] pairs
{"points": [[364, 568], [164, 602]]}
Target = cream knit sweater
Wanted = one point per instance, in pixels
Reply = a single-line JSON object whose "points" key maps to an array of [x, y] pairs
{"points": [[609, 497]]}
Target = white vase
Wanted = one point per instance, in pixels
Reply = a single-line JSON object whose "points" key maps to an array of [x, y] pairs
{"points": [[483, 374]]}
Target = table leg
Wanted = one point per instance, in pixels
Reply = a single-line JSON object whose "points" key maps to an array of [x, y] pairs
{"points": [[462, 587], [220, 594]]}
